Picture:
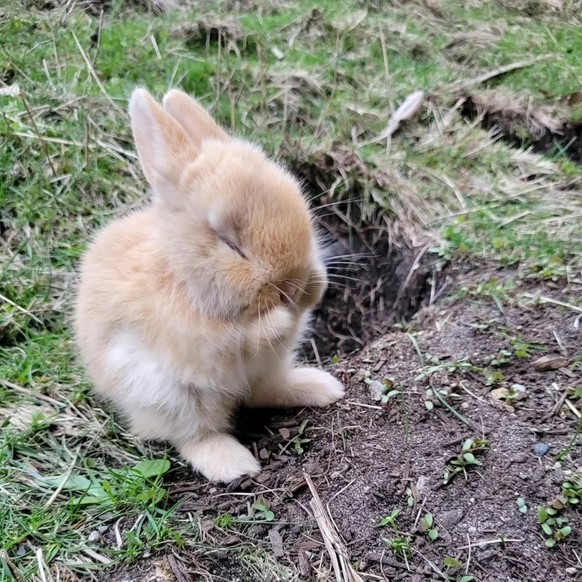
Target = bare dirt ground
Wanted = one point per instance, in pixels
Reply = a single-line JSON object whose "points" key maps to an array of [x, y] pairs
{"points": [[367, 459]]}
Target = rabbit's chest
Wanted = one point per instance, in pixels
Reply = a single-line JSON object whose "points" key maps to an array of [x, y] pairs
{"points": [[156, 372]]}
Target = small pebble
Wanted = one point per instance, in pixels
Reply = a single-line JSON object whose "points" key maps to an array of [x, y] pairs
{"points": [[94, 537], [472, 530], [519, 458], [451, 518], [540, 449], [572, 571], [376, 390], [22, 550]]}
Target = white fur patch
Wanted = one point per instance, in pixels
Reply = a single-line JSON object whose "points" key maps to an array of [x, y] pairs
{"points": [[146, 379], [162, 400]]}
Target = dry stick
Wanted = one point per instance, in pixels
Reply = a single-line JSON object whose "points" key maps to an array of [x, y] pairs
{"points": [[35, 129], [502, 70], [66, 477], [343, 570], [41, 565], [12, 566], [573, 409], [442, 401], [551, 301], [433, 566], [96, 78], [558, 406], [489, 542], [99, 557], [469, 555], [21, 309]]}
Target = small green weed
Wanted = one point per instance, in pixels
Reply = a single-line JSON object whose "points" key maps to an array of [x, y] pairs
{"points": [[453, 570], [223, 521], [299, 439], [523, 349], [387, 390], [140, 483], [262, 511], [426, 525], [555, 527], [552, 521], [410, 498], [521, 505], [390, 520], [466, 459], [400, 542]]}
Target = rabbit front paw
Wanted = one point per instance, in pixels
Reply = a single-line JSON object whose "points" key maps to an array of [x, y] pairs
{"points": [[315, 387], [220, 457], [272, 328]]}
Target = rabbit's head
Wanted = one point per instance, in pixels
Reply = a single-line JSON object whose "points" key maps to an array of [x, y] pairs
{"points": [[234, 227]]}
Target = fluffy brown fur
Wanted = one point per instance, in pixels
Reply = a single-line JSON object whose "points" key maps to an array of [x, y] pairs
{"points": [[196, 304]]}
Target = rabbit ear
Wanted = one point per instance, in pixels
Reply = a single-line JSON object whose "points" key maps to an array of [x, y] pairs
{"points": [[162, 144], [192, 117]]}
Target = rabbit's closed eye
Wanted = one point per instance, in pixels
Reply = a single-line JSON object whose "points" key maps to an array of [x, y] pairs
{"points": [[233, 246]]}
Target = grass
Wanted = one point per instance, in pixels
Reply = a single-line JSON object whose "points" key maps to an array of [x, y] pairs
{"points": [[314, 82]]}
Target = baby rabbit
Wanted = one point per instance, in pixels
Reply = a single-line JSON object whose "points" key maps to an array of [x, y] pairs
{"points": [[195, 305]]}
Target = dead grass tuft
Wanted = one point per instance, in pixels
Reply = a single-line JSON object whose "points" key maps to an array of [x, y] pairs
{"points": [[541, 7], [463, 46], [211, 29], [514, 114]]}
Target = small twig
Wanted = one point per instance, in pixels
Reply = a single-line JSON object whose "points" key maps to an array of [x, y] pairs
{"points": [[410, 107], [58, 490], [565, 451], [551, 301], [446, 405], [177, 570], [96, 78], [35, 129], [462, 385], [99, 557], [41, 564], [573, 409], [433, 566], [419, 513], [316, 353], [416, 264], [118, 538], [556, 408], [560, 344], [372, 406], [21, 309], [489, 542], [336, 549], [12, 566], [414, 342], [502, 71]]}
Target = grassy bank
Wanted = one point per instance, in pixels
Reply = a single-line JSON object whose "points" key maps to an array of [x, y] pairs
{"points": [[315, 83]]}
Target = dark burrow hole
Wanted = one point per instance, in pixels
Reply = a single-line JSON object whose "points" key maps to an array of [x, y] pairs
{"points": [[375, 281], [512, 128]]}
